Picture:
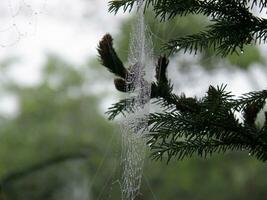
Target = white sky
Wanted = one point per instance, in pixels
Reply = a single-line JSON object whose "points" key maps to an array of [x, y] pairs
{"points": [[32, 28]]}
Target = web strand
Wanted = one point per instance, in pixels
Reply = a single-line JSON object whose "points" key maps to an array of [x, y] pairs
{"points": [[19, 20]]}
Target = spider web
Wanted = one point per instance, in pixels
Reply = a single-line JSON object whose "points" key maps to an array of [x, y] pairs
{"points": [[19, 20], [134, 126]]}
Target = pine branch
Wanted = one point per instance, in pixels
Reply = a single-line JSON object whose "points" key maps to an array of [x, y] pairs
{"points": [[122, 107], [109, 57], [251, 103], [167, 9], [161, 70], [116, 5], [181, 134], [200, 147], [259, 3], [191, 126], [193, 5], [225, 37], [252, 98], [212, 116], [233, 25]]}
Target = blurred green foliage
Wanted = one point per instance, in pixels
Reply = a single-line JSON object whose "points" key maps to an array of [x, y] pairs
{"points": [[233, 176], [56, 118]]}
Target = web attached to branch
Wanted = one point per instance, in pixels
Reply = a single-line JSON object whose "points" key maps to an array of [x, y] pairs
{"points": [[134, 126], [19, 20]]}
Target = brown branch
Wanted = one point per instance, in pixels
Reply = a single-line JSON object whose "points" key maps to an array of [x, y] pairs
{"points": [[16, 175]]}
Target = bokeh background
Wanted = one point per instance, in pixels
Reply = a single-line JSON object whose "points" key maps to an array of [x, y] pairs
{"points": [[55, 139]]}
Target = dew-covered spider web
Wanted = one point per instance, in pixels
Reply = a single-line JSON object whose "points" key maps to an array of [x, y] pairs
{"points": [[134, 126], [18, 20]]}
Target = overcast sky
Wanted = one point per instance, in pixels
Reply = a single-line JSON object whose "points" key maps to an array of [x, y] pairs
{"points": [[29, 29]]}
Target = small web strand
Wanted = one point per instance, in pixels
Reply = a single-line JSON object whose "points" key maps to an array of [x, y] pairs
{"points": [[19, 20]]}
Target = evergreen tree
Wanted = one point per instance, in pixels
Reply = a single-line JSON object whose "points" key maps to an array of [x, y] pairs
{"points": [[199, 126]]}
